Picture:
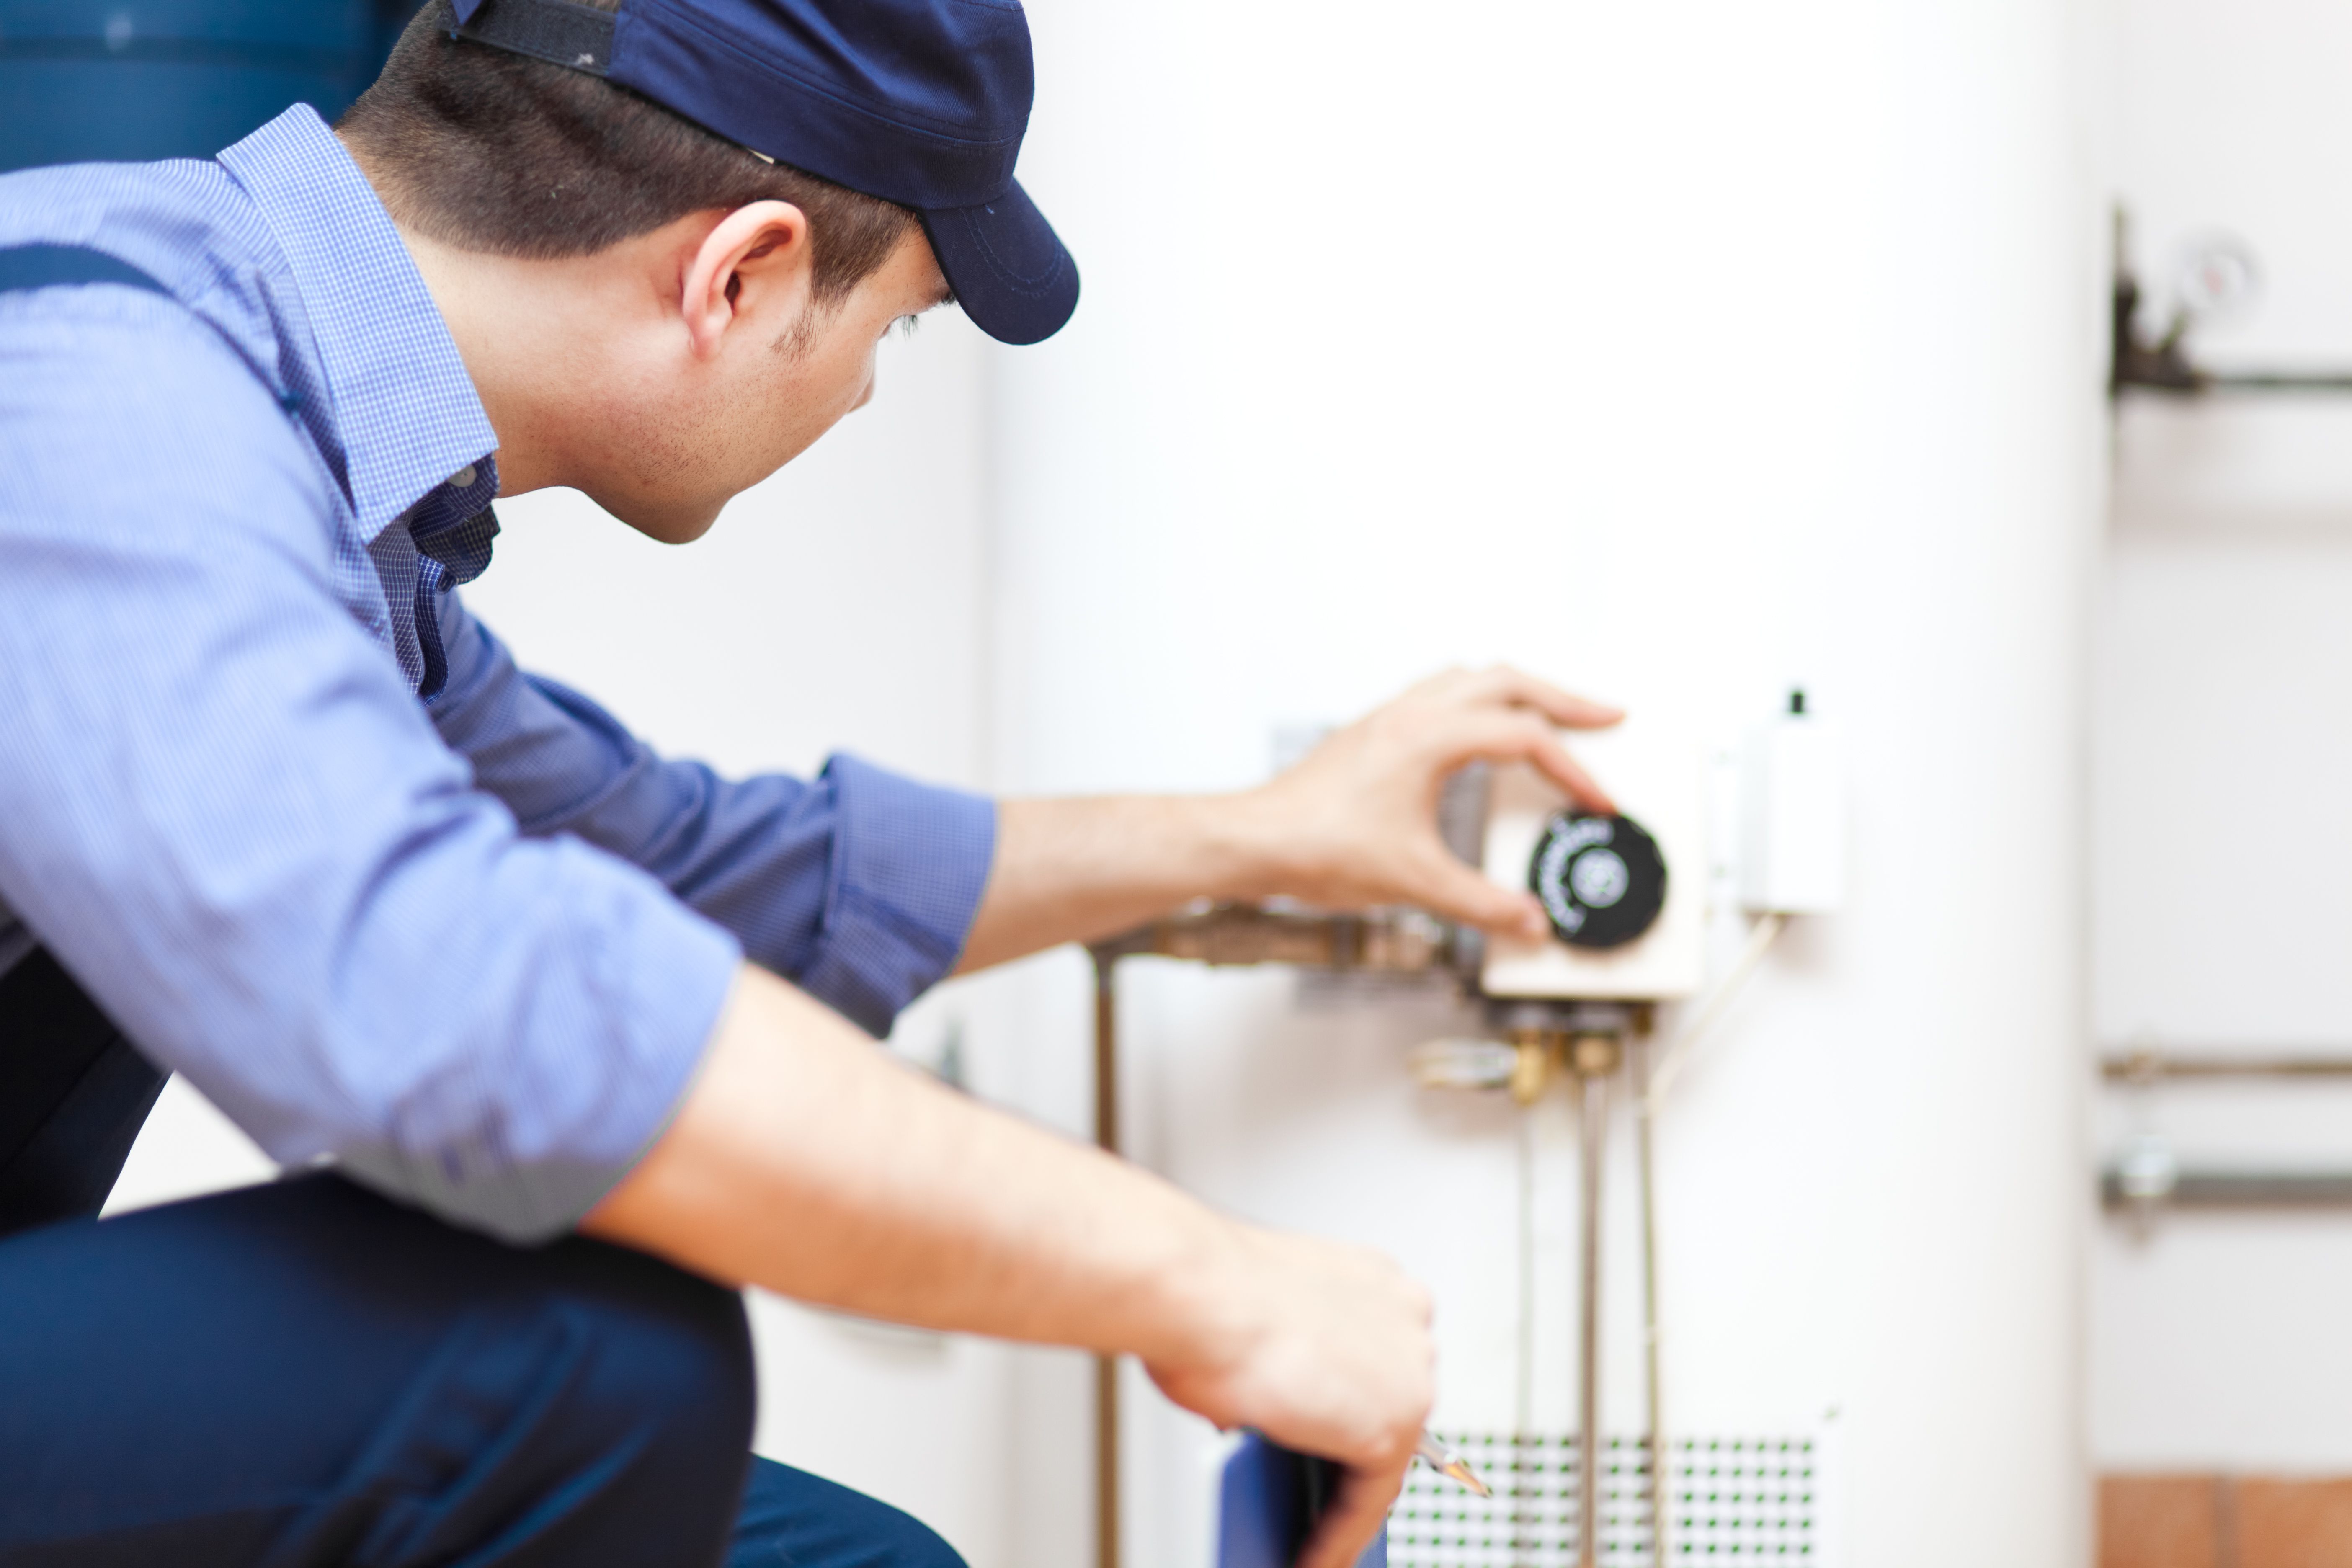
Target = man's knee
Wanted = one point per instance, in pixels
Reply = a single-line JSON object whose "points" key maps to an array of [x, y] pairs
{"points": [[372, 1385], [665, 1357], [604, 1396], [911, 1543], [790, 1516]]}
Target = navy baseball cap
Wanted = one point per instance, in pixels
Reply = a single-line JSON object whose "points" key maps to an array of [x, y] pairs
{"points": [[921, 102]]}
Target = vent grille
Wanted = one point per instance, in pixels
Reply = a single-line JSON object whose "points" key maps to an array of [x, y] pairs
{"points": [[1731, 1499]]}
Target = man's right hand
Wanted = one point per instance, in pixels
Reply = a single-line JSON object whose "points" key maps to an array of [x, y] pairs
{"points": [[804, 1160], [1325, 1349]]}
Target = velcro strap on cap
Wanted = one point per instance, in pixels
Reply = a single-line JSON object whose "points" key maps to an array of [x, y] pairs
{"points": [[561, 32]]}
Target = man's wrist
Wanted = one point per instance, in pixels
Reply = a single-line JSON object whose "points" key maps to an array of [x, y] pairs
{"points": [[1207, 1308], [1241, 845]]}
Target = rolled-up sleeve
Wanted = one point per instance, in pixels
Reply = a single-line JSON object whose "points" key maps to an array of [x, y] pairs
{"points": [[859, 885], [225, 813]]}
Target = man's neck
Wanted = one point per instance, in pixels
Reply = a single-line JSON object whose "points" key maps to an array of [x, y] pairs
{"points": [[497, 318]]}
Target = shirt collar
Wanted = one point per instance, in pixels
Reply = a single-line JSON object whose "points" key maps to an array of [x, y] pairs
{"points": [[403, 406]]}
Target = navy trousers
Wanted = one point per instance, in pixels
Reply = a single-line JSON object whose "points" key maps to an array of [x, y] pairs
{"points": [[305, 1375]]}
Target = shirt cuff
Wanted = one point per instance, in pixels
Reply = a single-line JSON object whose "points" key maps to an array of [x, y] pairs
{"points": [[909, 864]]}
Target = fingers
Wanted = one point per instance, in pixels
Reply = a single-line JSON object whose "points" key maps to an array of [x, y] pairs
{"points": [[1354, 1517], [1523, 738], [1565, 771], [1339, 1364], [1503, 685], [1460, 892]]}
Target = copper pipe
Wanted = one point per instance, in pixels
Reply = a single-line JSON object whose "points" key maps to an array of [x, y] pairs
{"points": [[1395, 942], [1107, 1499], [1645, 1129], [1592, 1057], [1391, 942], [2150, 1066]]}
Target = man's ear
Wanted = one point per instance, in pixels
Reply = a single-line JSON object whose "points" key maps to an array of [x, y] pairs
{"points": [[763, 248]]}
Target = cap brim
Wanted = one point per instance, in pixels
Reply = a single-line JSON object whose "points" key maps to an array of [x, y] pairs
{"points": [[1009, 272]]}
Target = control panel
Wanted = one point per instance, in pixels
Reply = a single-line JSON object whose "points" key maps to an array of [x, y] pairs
{"points": [[1624, 893]]}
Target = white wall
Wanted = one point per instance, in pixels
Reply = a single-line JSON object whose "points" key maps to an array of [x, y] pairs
{"points": [[2222, 854], [1679, 354]]}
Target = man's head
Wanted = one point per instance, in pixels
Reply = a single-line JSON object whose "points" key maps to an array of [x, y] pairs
{"points": [[661, 314]]}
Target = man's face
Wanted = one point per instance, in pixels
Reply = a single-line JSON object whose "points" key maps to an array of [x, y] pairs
{"points": [[675, 438]]}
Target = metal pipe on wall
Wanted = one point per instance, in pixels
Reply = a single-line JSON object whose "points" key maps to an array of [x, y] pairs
{"points": [[1653, 1377], [1543, 1038], [1389, 942], [2122, 1191], [1107, 1499], [1593, 1059], [2147, 1067], [2149, 1177], [1592, 1108]]}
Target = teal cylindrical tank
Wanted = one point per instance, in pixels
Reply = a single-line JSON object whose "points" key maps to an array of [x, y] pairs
{"points": [[82, 79]]}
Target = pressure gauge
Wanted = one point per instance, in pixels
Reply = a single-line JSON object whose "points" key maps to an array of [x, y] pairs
{"points": [[2219, 275], [1601, 880]]}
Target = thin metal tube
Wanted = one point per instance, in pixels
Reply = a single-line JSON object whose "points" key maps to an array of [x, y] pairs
{"points": [[1523, 1403], [1593, 1096], [2279, 381], [1523, 1406], [2148, 1067], [1107, 1461], [1644, 1127], [2234, 1190], [1107, 1488]]}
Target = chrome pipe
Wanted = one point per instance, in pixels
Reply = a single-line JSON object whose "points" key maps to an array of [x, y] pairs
{"points": [[1645, 1128], [2129, 1193], [2154, 1067], [1592, 1057], [1107, 1488]]}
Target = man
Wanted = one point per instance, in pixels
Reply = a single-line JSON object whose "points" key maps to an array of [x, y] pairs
{"points": [[573, 1030]]}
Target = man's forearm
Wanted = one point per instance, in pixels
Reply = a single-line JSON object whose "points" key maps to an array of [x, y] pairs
{"points": [[1353, 824], [807, 1161], [1072, 870]]}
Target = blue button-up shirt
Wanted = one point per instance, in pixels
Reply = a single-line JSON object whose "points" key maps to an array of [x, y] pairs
{"points": [[295, 818]]}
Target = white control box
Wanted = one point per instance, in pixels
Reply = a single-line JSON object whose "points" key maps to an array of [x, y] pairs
{"points": [[1792, 808], [1656, 778]]}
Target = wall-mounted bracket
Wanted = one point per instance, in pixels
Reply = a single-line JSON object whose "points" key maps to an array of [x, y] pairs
{"points": [[2219, 275]]}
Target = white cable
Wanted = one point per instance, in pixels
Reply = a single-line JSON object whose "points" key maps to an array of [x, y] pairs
{"points": [[1759, 942]]}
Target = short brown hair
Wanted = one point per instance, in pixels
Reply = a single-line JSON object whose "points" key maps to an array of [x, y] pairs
{"points": [[493, 152]]}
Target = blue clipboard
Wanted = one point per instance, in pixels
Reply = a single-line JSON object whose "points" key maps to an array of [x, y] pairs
{"points": [[1267, 1500]]}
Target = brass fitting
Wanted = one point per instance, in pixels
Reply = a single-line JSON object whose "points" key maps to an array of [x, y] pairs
{"points": [[1595, 1053], [1537, 1053]]}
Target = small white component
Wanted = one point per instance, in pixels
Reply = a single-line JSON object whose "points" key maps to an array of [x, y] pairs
{"points": [[1792, 804], [1463, 1064], [1656, 776]]}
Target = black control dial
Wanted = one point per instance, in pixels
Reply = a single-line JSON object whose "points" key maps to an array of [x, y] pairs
{"points": [[1602, 878]]}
